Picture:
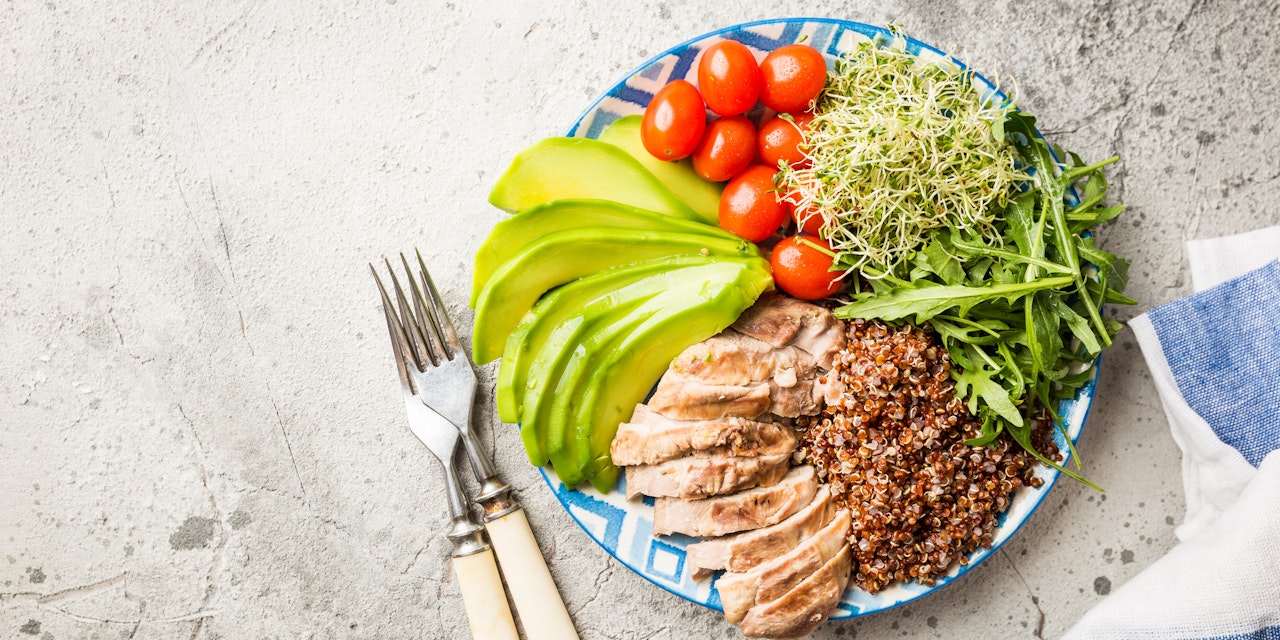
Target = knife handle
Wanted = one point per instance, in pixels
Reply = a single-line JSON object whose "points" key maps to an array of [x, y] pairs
{"points": [[483, 597], [541, 609]]}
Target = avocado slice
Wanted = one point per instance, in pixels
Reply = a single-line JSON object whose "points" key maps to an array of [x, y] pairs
{"points": [[701, 196], [555, 308], [671, 291], [558, 168], [513, 234], [564, 256], [634, 362]]}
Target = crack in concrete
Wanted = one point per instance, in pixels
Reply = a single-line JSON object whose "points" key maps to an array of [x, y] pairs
{"points": [[413, 561], [62, 595], [599, 581], [288, 446], [212, 584], [240, 20], [191, 216], [1035, 600]]}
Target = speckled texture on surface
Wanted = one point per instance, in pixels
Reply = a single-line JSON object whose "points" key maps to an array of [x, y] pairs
{"points": [[200, 434]]}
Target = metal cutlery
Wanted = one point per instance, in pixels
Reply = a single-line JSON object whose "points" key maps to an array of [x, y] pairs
{"points": [[451, 392], [482, 594]]}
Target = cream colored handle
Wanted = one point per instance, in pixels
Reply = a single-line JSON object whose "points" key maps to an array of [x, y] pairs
{"points": [[482, 594], [542, 612]]}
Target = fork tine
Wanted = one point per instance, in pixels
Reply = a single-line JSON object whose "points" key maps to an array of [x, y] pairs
{"points": [[397, 332], [422, 309], [419, 345], [437, 304]]}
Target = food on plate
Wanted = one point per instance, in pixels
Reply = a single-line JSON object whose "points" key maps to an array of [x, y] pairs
{"points": [[750, 509], [729, 78], [764, 583], [749, 549], [727, 147], [563, 256], [794, 75], [512, 235], [560, 168], [750, 206], [781, 139], [804, 608], [802, 267], [674, 121], [701, 196], [715, 474], [650, 437], [891, 449], [782, 321]]}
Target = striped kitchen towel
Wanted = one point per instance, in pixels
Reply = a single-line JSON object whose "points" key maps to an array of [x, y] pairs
{"points": [[1215, 360]]}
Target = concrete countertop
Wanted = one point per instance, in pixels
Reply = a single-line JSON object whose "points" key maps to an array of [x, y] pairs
{"points": [[200, 434]]}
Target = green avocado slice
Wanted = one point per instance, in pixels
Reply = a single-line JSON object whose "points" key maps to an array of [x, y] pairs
{"points": [[583, 295], [599, 345], [513, 234], [633, 362], [558, 168], [564, 256], [701, 196]]}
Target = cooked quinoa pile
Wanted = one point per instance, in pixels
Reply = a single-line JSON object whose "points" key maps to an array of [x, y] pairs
{"points": [[892, 450]]}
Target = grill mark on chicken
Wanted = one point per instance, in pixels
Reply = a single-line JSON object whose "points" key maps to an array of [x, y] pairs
{"points": [[651, 438], [699, 477], [744, 551], [751, 509], [801, 610]]}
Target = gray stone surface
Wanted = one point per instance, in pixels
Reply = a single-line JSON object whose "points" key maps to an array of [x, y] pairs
{"points": [[199, 430]]}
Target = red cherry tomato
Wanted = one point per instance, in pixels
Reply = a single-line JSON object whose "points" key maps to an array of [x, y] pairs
{"points": [[729, 78], [803, 271], [673, 122], [780, 140], [750, 206], [728, 147], [793, 77]]}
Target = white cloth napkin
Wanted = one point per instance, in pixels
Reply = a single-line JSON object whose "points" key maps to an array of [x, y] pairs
{"points": [[1215, 360]]}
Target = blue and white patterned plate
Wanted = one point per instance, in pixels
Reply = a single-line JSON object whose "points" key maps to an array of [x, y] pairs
{"points": [[624, 528]]}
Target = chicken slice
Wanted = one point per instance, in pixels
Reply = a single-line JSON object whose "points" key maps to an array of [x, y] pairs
{"points": [[744, 551], [751, 509], [688, 399], [771, 580], [703, 476], [802, 609], [651, 438], [781, 321], [731, 358]]}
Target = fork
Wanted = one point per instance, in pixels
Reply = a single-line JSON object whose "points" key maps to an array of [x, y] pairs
{"points": [[451, 393], [473, 561]]}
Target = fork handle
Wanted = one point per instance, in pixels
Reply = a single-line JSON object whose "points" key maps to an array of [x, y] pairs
{"points": [[483, 597], [541, 608]]}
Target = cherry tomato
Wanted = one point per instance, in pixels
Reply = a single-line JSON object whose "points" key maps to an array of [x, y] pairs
{"points": [[793, 77], [780, 140], [674, 121], [729, 78], [728, 147], [803, 271], [750, 206], [808, 223]]}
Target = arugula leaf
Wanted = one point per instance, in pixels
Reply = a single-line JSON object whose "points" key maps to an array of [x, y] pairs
{"points": [[925, 299]]}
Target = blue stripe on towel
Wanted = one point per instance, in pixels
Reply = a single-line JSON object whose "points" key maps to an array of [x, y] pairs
{"points": [[1269, 633], [1223, 347]]}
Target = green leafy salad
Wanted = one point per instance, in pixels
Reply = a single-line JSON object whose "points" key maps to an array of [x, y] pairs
{"points": [[947, 208]]}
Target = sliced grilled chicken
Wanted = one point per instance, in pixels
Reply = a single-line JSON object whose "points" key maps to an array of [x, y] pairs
{"points": [[685, 398], [651, 438], [803, 608], [738, 359], [751, 509], [781, 321], [703, 476], [771, 580], [688, 399], [744, 551]]}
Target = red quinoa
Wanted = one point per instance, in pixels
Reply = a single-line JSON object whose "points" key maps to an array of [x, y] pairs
{"points": [[891, 449]]}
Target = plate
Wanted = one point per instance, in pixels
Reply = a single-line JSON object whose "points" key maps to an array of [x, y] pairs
{"points": [[625, 528]]}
